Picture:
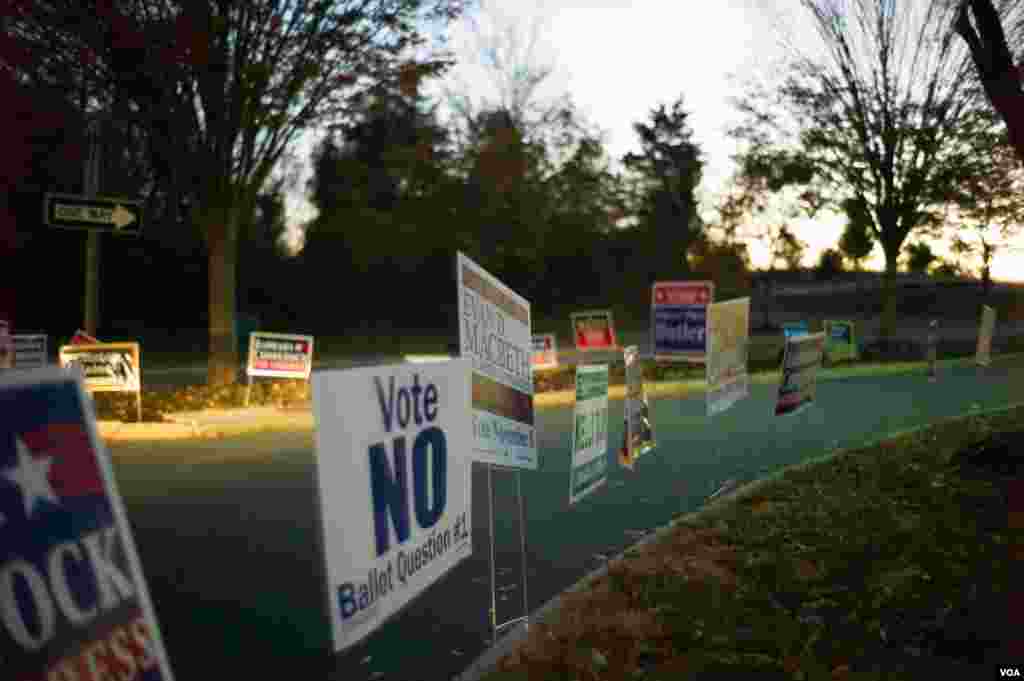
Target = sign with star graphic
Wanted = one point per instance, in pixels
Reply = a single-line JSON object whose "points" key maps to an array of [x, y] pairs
{"points": [[679, 320], [73, 600]]}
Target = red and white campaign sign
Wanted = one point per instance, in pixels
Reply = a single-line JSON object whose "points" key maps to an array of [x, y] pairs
{"points": [[82, 338], [280, 355], [73, 598], [545, 352], [683, 293], [594, 330]]}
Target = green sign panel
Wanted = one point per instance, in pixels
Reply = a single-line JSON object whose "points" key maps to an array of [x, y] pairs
{"points": [[840, 341]]}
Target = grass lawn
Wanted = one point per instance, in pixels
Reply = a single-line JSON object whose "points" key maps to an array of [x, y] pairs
{"points": [[892, 561]]}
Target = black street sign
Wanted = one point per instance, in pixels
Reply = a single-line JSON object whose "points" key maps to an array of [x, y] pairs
{"points": [[98, 214]]}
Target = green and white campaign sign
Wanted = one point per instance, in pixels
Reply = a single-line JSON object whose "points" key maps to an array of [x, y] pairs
{"points": [[840, 342], [588, 469]]}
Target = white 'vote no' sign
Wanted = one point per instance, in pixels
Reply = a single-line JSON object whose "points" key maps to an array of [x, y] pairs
{"points": [[394, 448]]}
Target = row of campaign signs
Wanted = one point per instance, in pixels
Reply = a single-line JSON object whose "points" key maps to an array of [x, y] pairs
{"points": [[394, 450], [117, 367]]}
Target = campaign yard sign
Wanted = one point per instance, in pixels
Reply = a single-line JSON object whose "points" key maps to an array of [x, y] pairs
{"points": [[394, 455], [679, 320], [82, 338], [73, 599], [280, 355], [494, 333], [638, 435], [593, 330], [791, 329], [799, 372], [987, 328], [728, 349], [840, 343], [6, 345], [107, 367], [588, 469], [545, 351], [29, 351]]}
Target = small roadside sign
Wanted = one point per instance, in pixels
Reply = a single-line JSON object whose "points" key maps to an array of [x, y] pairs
{"points": [[29, 351], [545, 352], [98, 214]]}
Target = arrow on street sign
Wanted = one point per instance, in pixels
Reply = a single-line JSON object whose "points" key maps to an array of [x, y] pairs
{"points": [[100, 214]]}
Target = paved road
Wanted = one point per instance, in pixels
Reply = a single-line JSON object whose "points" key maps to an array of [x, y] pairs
{"points": [[230, 543]]}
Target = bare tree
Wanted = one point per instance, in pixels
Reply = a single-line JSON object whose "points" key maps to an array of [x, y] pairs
{"points": [[507, 50], [878, 112]]}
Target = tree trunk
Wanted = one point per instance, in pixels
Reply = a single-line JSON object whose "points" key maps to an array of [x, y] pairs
{"points": [[887, 326], [994, 62], [222, 247]]}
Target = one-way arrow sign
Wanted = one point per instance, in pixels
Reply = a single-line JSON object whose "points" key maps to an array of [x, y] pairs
{"points": [[100, 214]]}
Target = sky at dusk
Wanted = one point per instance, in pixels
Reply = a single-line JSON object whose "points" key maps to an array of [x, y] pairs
{"points": [[618, 59]]}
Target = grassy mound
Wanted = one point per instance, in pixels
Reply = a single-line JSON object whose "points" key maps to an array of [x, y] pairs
{"points": [[892, 561]]}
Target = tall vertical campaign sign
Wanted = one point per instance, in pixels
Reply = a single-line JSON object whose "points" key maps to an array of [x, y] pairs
{"points": [[638, 435], [495, 333], [588, 466], [72, 594], [545, 351], [394, 452], [799, 373], [728, 349]]}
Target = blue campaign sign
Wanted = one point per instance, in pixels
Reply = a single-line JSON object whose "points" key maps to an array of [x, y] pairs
{"points": [[789, 330], [679, 319], [73, 601], [680, 329]]}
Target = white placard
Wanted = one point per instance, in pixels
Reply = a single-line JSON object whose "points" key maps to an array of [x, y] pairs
{"points": [[106, 367], [280, 355], [394, 456], [494, 333], [728, 340], [29, 351]]}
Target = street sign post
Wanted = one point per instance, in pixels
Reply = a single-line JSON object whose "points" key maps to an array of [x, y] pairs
{"points": [[99, 214]]}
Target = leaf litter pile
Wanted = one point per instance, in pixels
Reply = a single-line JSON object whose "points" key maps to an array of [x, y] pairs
{"points": [[893, 561], [157, 403]]}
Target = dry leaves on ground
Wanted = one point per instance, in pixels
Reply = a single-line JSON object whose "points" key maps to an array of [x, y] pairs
{"points": [[612, 617]]}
